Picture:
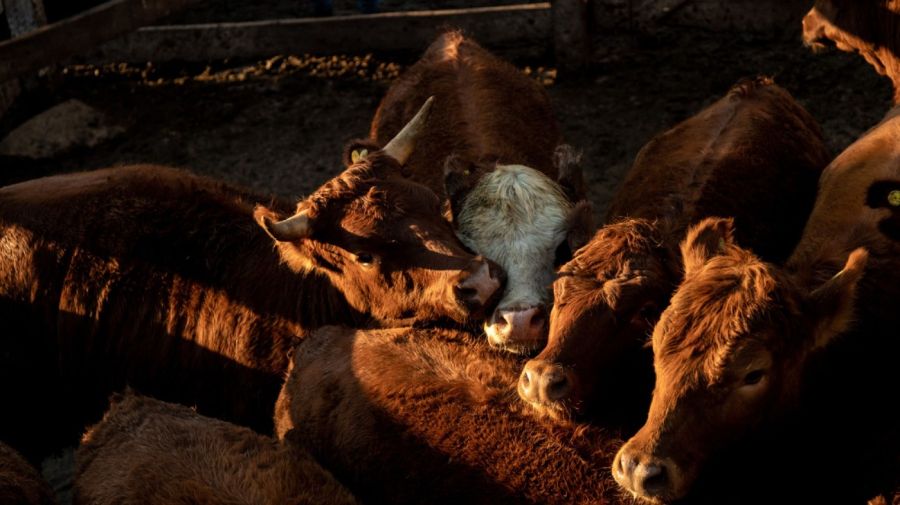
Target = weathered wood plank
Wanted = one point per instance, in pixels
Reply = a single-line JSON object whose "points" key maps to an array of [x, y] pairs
{"points": [[79, 33], [495, 27]]}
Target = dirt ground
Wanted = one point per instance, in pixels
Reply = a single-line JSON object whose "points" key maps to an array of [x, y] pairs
{"points": [[281, 129]]}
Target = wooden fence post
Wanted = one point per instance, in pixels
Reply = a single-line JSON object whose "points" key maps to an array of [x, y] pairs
{"points": [[571, 35]]}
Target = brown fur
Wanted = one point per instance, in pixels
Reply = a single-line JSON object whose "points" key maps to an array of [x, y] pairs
{"points": [[870, 28], [753, 359], [756, 154], [148, 452], [485, 112], [20, 483], [406, 416], [162, 280]]}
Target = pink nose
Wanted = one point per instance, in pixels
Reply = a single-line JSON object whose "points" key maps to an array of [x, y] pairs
{"points": [[518, 330]]}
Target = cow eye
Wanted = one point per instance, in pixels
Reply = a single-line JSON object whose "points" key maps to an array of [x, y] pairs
{"points": [[365, 259], [754, 377]]}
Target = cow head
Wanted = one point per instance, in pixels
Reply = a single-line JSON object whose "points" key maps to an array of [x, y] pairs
{"points": [[868, 27], [384, 243], [728, 354], [523, 220], [606, 300]]}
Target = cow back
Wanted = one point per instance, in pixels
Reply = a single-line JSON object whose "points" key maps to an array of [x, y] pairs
{"points": [[755, 155]]}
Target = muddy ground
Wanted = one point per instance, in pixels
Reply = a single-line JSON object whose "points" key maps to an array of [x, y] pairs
{"points": [[281, 129]]}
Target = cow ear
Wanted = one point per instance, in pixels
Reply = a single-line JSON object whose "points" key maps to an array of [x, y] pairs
{"points": [[705, 240], [357, 150], [459, 178], [834, 302], [570, 177]]}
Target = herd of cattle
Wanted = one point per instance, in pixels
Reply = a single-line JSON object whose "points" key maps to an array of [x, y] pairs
{"points": [[442, 323]]}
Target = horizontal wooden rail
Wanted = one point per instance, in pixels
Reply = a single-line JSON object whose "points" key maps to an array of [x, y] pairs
{"points": [[499, 27], [80, 33]]}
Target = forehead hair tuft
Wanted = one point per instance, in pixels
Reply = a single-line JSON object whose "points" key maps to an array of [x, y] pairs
{"points": [[612, 246], [718, 305]]}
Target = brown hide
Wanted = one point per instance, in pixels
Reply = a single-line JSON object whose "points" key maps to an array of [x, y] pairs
{"points": [[162, 280], [485, 111], [406, 416], [756, 155], [149, 452], [870, 28], [20, 483], [798, 356]]}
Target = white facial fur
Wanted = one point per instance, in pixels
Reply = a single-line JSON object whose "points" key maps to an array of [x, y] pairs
{"points": [[517, 217]]}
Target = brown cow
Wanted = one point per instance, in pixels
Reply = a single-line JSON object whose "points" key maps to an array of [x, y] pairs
{"points": [[147, 452], [431, 416], [756, 154], [20, 483], [868, 27], [496, 130], [162, 280], [747, 348]]}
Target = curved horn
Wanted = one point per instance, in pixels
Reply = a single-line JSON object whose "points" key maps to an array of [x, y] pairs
{"points": [[293, 228], [401, 146]]}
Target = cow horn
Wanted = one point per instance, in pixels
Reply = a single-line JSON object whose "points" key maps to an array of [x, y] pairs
{"points": [[293, 228], [401, 146]]}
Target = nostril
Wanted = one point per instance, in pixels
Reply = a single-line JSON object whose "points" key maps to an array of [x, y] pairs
{"points": [[625, 465], [539, 319], [466, 293], [654, 479], [557, 386]]}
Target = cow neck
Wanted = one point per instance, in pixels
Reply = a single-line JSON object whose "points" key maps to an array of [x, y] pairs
{"points": [[306, 300]]}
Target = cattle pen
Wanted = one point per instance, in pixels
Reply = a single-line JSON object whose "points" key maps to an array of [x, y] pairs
{"points": [[264, 95]]}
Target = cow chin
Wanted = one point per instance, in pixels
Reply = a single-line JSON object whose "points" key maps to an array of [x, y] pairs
{"points": [[520, 347], [563, 412]]}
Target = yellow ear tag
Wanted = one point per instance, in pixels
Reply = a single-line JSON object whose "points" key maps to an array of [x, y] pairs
{"points": [[358, 156], [466, 172], [894, 198]]}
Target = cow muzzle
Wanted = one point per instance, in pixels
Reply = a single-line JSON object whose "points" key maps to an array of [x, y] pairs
{"points": [[479, 288], [518, 330], [647, 476], [547, 386]]}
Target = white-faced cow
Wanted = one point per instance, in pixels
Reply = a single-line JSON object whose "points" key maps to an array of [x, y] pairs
{"points": [[756, 154], [175, 285], [805, 354], [492, 149]]}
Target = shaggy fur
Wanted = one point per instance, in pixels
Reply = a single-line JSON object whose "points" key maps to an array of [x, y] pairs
{"points": [[789, 358], [413, 416], [150, 452], [870, 28], [20, 483], [497, 132], [756, 154], [162, 280]]}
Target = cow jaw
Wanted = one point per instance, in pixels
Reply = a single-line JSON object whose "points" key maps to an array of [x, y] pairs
{"points": [[517, 217]]}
